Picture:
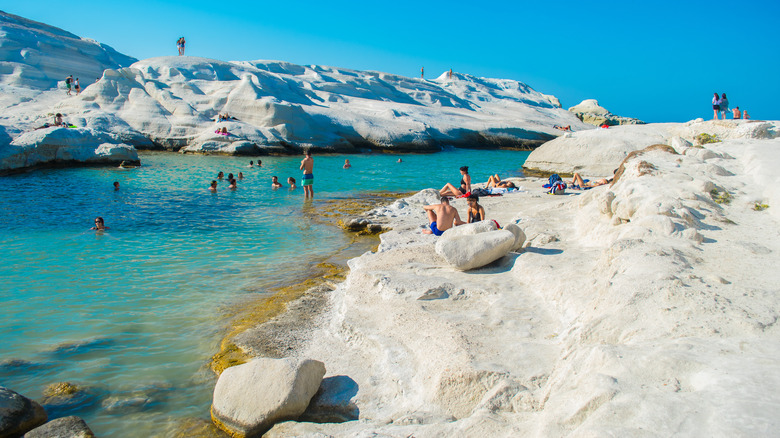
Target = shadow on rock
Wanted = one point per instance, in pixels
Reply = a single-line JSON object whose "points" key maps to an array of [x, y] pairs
{"points": [[333, 402]]}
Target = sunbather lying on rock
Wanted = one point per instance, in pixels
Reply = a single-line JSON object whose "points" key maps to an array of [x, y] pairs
{"points": [[495, 181], [441, 217], [579, 182]]}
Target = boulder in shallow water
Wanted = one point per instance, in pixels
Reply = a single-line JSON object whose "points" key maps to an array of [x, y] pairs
{"points": [[252, 397], [65, 427], [18, 414], [466, 252]]}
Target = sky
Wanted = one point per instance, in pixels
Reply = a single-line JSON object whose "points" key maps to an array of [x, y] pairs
{"points": [[657, 61]]}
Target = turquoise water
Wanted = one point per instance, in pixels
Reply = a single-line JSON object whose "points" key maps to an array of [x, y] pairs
{"points": [[137, 311]]}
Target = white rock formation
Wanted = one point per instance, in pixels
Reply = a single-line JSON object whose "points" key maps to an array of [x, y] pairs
{"points": [[250, 398], [36, 55], [64, 146], [600, 151], [173, 102]]}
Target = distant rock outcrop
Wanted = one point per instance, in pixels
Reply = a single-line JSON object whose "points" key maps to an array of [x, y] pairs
{"points": [[589, 111]]}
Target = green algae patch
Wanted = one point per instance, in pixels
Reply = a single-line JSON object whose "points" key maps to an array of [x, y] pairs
{"points": [[760, 206]]}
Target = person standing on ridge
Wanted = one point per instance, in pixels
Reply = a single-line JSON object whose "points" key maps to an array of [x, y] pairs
{"points": [[422, 72], [715, 106], [723, 103], [180, 45], [450, 75], [78, 87], [307, 165]]}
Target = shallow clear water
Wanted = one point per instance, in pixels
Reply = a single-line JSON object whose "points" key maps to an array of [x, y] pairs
{"points": [[138, 310]]}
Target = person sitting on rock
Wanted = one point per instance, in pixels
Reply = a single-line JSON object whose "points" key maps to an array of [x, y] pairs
{"points": [[495, 181], [465, 185], [441, 217], [476, 212], [58, 120], [737, 113], [275, 182]]}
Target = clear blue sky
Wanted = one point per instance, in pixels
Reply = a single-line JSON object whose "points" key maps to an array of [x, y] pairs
{"points": [[658, 61]]}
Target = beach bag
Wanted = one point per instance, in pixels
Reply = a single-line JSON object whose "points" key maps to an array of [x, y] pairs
{"points": [[553, 178], [480, 192], [557, 188]]}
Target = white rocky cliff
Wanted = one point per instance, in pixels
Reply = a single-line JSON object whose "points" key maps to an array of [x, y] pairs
{"points": [[175, 102]]}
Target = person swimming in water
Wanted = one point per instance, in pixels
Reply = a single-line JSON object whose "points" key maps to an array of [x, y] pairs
{"points": [[213, 186], [347, 164], [100, 225], [275, 182], [291, 182]]}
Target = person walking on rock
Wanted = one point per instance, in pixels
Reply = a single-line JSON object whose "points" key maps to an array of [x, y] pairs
{"points": [[69, 83], [78, 87]]}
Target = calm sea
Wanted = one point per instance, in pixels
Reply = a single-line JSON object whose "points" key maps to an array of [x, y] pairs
{"points": [[136, 312]]}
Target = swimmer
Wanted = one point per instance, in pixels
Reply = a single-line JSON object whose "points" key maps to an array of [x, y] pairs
{"points": [[230, 176], [116, 185], [251, 163], [213, 186], [347, 165], [399, 161], [220, 175], [291, 182], [259, 163], [275, 182], [240, 175], [232, 185], [100, 225]]}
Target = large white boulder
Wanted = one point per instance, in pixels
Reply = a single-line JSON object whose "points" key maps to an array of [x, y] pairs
{"points": [[252, 397], [470, 251]]}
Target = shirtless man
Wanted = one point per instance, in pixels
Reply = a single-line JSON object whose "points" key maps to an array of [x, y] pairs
{"points": [[737, 113], [213, 186], [275, 182], [441, 217], [233, 184], [307, 166]]}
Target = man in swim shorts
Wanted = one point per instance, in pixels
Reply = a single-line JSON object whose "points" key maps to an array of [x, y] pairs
{"points": [[307, 166], [441, 217]]}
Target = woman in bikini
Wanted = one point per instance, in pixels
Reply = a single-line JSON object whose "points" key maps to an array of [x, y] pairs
{"points": [[465, 185], [495, 181], [476, 212]]}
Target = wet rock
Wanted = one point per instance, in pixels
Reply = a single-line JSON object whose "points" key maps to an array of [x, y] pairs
{"points": [[138, 399], [65, 397], [197, 428], [66, 427], [252, 397], [18, 414]]}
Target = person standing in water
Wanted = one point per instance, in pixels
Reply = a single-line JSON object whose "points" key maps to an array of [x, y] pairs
{"points": [[100, 225], [307, 166]]}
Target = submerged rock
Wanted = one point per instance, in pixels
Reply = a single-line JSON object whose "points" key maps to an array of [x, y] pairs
{"points": [[252, 397], [18, 414], [65, 427], [65, 397]]}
